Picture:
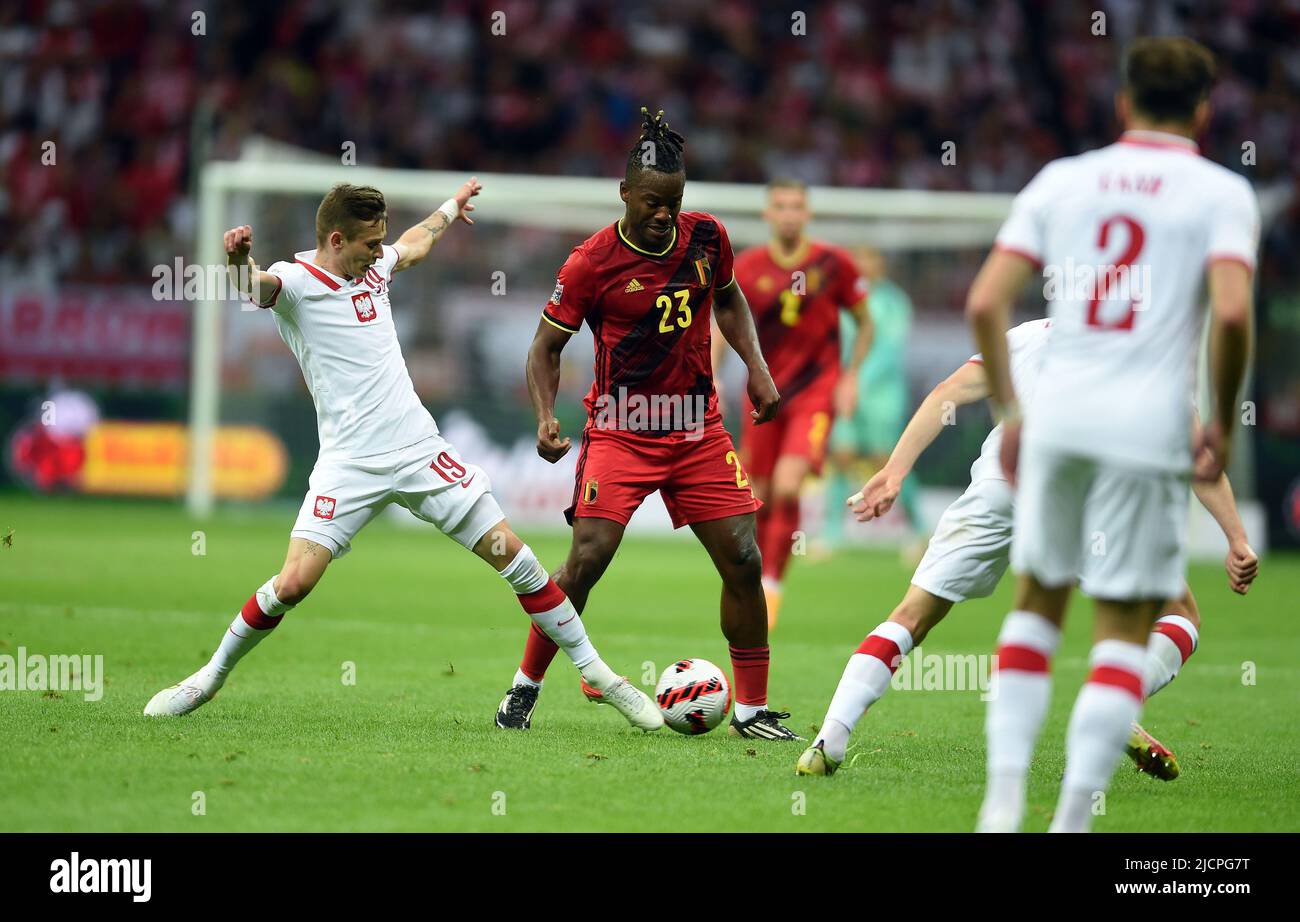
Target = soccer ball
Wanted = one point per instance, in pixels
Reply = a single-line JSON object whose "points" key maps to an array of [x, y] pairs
{"points": [[694, 696]]}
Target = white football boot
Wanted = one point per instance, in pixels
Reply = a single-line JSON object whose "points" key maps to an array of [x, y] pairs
{"points": [[634, 704], [187, 695]]}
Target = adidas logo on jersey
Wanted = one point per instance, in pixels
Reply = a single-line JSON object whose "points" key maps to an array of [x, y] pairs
{"points": [[633, 285]]}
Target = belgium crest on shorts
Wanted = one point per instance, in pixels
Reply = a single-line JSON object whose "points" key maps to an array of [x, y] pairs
{"points": [[589, 492]]}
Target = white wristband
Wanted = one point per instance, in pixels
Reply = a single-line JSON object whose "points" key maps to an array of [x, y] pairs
{"points": [[450, 210]]}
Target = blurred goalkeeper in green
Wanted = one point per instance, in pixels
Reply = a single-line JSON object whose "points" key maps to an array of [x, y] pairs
{"points": [[870, 433]]}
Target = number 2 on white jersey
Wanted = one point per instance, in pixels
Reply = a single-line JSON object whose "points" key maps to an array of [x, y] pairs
{"points": [[1108, 274]]}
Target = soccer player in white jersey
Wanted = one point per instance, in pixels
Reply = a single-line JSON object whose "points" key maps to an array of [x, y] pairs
{"points": [[1103, 475], [970, 551], [378, 443]]}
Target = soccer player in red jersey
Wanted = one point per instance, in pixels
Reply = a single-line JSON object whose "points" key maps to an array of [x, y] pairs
{"points": [[646, 286], [797, 287]]}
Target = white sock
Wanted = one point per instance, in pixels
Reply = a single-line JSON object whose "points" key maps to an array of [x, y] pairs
{"points": [[834, 737], [521, 679], [1104, 712], [1172, 641], [865, 679], [746, 712], [259, 617], [1022, 688], [552, 611]]}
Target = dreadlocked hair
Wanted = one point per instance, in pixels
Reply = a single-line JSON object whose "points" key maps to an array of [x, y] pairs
{"points": [[659, 148]]}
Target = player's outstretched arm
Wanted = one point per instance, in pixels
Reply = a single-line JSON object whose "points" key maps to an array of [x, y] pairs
{"points": [[1231, 325], [736, 323], [964, 386], [543, 374], [244, 274], [988, 309], [416, 243]]}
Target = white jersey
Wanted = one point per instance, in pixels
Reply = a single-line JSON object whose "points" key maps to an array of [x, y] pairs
{"points": [[1121, 360], [342, 333], [1025, 349]]}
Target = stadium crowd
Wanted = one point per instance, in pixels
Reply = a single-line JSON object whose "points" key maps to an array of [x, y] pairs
{"points": [[842, 93]]}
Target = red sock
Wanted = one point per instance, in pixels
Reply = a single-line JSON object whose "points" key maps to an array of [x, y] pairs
{"points": [[538, 653], [776, 541], [749, 666]]}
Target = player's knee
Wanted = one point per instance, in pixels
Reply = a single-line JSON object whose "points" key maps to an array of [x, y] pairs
{"points": [[743, 566]]}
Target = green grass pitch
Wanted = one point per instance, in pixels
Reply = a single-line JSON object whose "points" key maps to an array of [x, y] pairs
{"points": [[435, 638]]}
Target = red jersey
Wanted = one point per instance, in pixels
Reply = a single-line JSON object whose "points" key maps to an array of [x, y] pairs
{"points": [[796, 305], [649, 312]]}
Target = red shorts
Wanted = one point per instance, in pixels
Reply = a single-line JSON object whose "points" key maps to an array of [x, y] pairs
{"points": [[699, 480], [800, 428]]}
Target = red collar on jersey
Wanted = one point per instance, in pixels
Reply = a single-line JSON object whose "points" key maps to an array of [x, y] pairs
{"points": [[1143, 138], [321, 274]]}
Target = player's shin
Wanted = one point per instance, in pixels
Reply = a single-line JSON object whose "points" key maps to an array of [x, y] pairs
{"points": [[555, 617], [1111, 700], [864, 682], [1017, 707], [1173, 641], [259, 616]]}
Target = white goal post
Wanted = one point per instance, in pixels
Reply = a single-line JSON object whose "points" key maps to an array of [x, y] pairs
{"points": [[886, 218]]}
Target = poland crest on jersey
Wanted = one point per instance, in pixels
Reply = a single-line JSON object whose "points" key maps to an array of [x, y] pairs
{"points": [[324, 507], [364, 305]]}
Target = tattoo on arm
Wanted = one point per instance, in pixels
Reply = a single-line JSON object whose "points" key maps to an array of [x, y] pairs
{"points": [[441, 224]]}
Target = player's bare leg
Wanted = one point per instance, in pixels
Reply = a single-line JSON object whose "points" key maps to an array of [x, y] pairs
{"points": [[732, 547], [867, 674], [1018, 706], [560, 626], [304, 565], [777, 544], [1173, 640], [1106, 709]]}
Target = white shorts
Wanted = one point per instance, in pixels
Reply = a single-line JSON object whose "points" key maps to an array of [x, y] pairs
{"points": [[429, 478], [1117, 529], [971, 545]]}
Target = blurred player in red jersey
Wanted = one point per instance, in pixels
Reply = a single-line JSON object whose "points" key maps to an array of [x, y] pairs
{"points": [[797, 288], [646, 286]]}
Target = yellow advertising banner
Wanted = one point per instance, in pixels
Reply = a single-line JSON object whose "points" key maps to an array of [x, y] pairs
{"points": [[152, 459]]}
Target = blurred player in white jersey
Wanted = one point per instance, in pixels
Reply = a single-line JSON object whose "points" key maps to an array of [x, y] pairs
{"points": [[378, 443], [970, 551], [1102, 491]]}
